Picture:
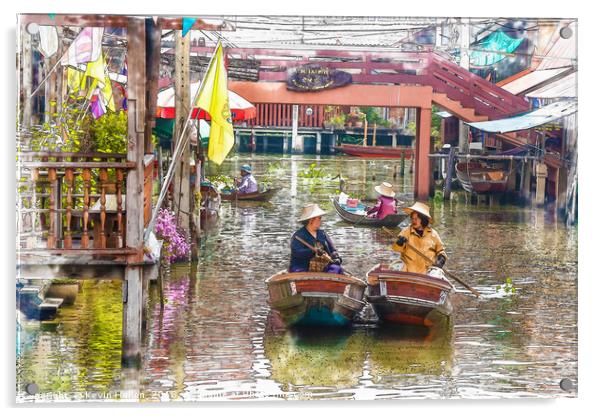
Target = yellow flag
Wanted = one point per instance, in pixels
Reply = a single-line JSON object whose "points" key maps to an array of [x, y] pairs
{"points": [[107, 94], [74, 78], [95, 70], [213, 98]]}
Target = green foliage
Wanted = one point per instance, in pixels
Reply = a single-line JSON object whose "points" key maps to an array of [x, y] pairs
{"points": [[109, 133], [372, 116]]}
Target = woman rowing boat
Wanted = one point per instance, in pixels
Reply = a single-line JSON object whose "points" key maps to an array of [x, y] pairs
{"points": [[311, 248], [422, 236]]}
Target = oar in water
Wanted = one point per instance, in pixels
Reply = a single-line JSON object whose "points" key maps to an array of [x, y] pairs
{"points": [[429, 261]]}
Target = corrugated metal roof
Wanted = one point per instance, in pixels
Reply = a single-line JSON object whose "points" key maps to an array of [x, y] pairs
{"points": [[526, 121], [531, 80], [566, 87]]}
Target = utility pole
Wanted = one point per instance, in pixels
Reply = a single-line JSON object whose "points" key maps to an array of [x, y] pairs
{"points": [[181, 184], [464, 41]]}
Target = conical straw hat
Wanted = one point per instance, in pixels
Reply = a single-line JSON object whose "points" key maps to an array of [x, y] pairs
{"points": [[311, 211], [385, 189], [420, 208]]}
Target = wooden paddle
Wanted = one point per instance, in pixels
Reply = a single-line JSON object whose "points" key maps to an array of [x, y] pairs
{"points": [[429, 261]]}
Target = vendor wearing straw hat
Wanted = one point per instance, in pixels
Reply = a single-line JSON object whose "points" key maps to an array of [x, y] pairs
{"points": [[421, 236], [310, 233], [247, 184], [386, 202]]}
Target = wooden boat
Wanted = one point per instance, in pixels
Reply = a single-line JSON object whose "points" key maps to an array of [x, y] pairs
{"points": [[480, 179], [253, 196], [310, 298], [361, 219], [384, 152], [410, 298]]}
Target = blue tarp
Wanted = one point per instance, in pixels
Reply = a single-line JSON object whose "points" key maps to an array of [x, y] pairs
{"points": [[485, 52], [529, 120]]}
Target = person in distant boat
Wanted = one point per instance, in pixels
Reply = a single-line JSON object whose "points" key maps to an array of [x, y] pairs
{"points": [[247, 183], [304, 258], [421, 236], [386, 202]]}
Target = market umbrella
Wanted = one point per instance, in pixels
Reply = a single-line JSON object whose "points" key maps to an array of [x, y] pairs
{"points": [[240, 108]]}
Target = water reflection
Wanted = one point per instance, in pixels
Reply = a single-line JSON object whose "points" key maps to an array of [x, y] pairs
{"points": [[215, 338]]}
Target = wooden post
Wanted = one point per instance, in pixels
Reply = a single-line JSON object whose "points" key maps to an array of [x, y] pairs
{"points": [[422, 179], [52, 177], [374, 135], [561, 189], [318, 143], [449, 173], [133, 285], [181, 184], [296, 141], [525, 179], [365, 143], [26, 87], [153, 60], [69, 180], [541, 171]]}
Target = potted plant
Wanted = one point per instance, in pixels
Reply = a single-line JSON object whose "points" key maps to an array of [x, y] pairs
{"points": [[65, 289]]}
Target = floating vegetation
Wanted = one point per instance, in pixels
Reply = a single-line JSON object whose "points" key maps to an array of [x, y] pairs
{"points": [[507, 287], [315, 172]]}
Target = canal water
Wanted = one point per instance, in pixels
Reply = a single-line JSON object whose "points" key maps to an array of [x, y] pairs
{"points": [[216, 338]]}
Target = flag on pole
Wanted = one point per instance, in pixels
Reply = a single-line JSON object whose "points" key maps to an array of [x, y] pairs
{"points": [[213, 98], [86, 47], [187, 23], [106, 93]]}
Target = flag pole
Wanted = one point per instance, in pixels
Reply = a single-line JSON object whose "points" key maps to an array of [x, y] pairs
{"points": [[182, 141]]}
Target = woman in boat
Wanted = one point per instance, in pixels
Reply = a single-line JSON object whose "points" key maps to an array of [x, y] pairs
{"points": [[386, 202], [310, 233], [247, 183], [420, 235]]}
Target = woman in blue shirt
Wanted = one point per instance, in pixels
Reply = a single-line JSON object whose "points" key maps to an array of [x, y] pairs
{"points": [[311, 218]]}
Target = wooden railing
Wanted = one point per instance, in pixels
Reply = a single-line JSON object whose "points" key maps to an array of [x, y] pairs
{"points": [[74, 200]]}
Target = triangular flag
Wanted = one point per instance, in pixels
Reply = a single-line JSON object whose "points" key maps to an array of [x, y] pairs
{"points": [[52, 15], [187, 23], [156, 20], [213, 98]]}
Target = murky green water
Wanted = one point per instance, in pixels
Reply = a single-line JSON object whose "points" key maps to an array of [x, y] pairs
{"points": [[216, 337]]}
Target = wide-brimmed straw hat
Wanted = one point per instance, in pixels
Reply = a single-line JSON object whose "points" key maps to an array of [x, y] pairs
{"points": [[246, 168], [311, 211], [420, 208], [385, 189]]}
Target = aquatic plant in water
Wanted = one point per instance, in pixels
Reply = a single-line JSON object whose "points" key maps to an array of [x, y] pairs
{"points": [[507, 287], [174, 242]]}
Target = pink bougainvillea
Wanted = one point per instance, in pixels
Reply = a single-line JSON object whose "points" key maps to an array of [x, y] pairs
{"points": [[174, 242]]}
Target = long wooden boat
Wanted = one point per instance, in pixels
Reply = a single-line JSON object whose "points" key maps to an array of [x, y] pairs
{"points": [[384, 152], [310, 298], [253, 196], [474, 177], [409, 298], [392, 220]]}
